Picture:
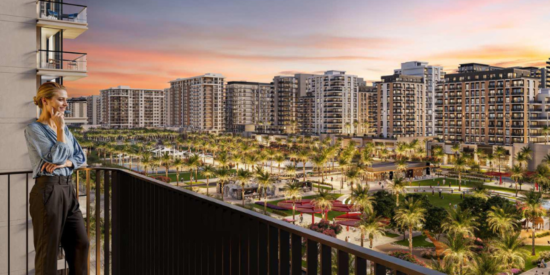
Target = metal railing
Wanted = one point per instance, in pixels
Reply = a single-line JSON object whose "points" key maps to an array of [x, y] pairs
{"points": [[59, 60], [149, 227], [62, 11]]}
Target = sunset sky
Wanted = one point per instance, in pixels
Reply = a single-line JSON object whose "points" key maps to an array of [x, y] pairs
{"points": [[145, 43]]}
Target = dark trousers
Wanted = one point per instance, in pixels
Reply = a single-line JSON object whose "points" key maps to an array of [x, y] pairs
{"points": [[56, 218]]}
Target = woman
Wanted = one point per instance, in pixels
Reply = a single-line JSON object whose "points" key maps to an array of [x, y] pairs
{"points": [[54, 207]]}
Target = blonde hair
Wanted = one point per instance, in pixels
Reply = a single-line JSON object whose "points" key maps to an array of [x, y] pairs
{"points": [[47, 91]]}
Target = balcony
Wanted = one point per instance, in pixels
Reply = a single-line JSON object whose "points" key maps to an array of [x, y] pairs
{"points": [[69, 65], [71, 18], [153, 227]]}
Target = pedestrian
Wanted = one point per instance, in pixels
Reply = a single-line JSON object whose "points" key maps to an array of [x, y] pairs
{"points": [[301, 218], [433, 192], [382, 186], [452, 191], [55, 154], [443, 181], [330, 178], [379, 183]]}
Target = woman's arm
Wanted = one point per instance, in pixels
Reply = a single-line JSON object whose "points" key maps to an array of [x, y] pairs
{"points": [[78, 159], [40, 143]]}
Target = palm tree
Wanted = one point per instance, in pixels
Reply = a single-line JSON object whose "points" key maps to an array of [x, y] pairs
{"points": [[323, 201], [178, 164], [361, 199], [352, 175], [459, 167], [485, 264], [460, 222], [293, 192], [166, 162], [279, 159], [223, 175], [500, 152], [516, 174], [243, 176], [410, 215], [456, 149], [397, 187], [533, 210], [401, 166], [264, 182], [372, 227], [193, 163], [502, 219], [208, 171], [146, 162], [445, 266], [457, 250], [541, 176], [509, 250], [319, 161], [303, 156]]}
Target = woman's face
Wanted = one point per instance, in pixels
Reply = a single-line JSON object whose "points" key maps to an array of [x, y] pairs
{"points": [[58, 103]]}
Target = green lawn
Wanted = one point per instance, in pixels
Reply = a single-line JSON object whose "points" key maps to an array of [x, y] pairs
{"points": [[184, 176], [530, 259], [418, 241], [454, 183], [391, 235], [447, 198]]}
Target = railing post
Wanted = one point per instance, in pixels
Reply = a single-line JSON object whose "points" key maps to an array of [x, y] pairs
{"points": [[312, 257], [88, 213], [343, 263], [98, 222], [326, 260], [296, 254], [273, 250], [107, 222], [379, 269]]}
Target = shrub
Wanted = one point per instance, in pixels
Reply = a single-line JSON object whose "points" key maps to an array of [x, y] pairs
{"points": [[406, 256], [542, 234], [430, 255], [329, 229], [162, 178], [279, 212]]}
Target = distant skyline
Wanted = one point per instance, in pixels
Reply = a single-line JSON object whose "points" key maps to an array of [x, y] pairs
{"points": [[145, 44]]}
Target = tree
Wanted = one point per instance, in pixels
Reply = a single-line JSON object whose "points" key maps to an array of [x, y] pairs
{"points": [[293, 192], [502, 220], [509, 250], [352, 175], [500, 152], [323, 201], [459, 167], [279, 159], [178, 164], [485, 264], [361, 199], [542, 176], [516, 173], [460, 222], [193, 163], [457, 250], [397, 187], [410, 215], [243, 176], [372, 227], [434, 218], [384, 204], [533, 210], [223, 175], [265, 181], [208, 171]]}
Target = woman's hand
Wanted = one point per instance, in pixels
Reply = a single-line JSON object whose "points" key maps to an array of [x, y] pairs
{"points": [[50, 167], [58, 118]]}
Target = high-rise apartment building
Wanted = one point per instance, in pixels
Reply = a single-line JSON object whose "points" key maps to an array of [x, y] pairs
{"points": [[198, 103], [365, 109], [401, 101], [539, 116], [249, 107], [306, 113], [94, 109], [124, 107], [167, 107], [431, 75], [78, 111], [548, 73], [286, 94], [485, 105], [335, 109], [32, 53]]}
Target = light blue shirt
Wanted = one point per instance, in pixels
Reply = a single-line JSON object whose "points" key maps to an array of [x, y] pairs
{"points": [[44, 147]]}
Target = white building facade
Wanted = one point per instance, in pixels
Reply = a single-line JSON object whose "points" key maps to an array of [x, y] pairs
{"points": [[124, 107], [335, 102]]}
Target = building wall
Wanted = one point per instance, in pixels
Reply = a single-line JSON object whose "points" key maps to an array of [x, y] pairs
{"points": [[402, 102], [488, 106], [249, 103], [94, 109], [335, 95], [78, 108], [285, 101], [124, 107], [198, 103]]}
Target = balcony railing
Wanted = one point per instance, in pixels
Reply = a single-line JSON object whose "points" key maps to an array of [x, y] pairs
{"points": [[149, 227], [63, 11], [58, 60]]}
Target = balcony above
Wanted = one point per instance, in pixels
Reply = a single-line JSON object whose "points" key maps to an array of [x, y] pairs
{"points": [[71, 18], [69, 65]]}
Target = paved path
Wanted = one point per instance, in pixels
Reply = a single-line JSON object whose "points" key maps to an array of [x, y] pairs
{"points": [[537, 271]]}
